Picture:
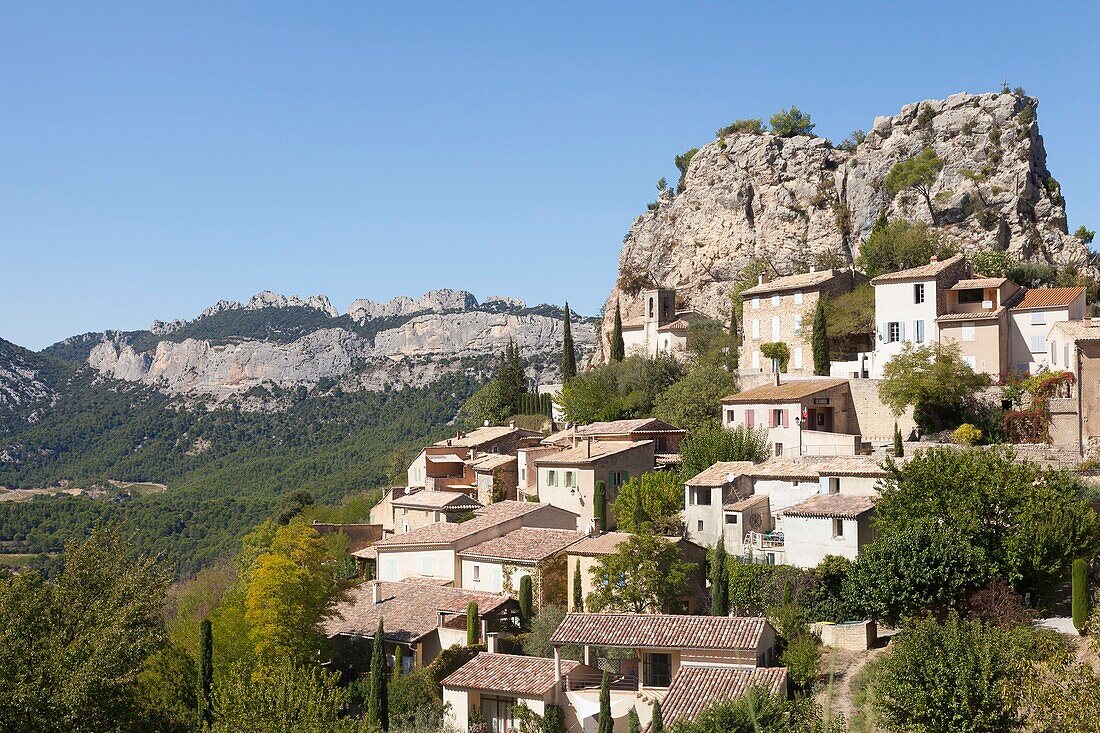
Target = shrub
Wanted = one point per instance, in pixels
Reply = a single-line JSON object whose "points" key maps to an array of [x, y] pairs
{"points": [[791, 122], [709, 444], [899, 245], [802, 658], [749, 126], [935, 381], [1080, 594], [683, 162], [966, 434]]}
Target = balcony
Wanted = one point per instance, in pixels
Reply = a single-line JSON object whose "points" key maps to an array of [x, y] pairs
{"points": [[593, 681], [764, 540]]}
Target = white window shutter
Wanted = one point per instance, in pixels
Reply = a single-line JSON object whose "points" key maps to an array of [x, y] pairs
{"points": [[901, 330]]}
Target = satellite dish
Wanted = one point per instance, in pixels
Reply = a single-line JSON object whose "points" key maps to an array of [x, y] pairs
{"points": [[755, 520], [730, 477]]}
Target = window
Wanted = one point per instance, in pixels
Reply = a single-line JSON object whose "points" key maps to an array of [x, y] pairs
{"points": [[1037, 343], [425, 564], [777, 418], [702, 496], [798, 297], [1054, 353], [893, 332], [834, 484], [700, 525], [756, 328], [798, 324], [798, 357], [918, 331], [972, 362], [551, 478], [523, 473], [1038, 318], [731, 519], [477, 573], [918, 293], [968, 333], [651, 307], [756, 304], [775, 328], [404, 511], [656, 670], [973, 295], [618, 478], [756, 360], [569, 479], [730, 417], [775, 300], [838, 528], [778, 450], [497, 713]]}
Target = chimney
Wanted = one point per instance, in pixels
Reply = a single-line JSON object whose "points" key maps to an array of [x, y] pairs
{"points": [[813, 268], [775, 378], [512, 424], [375, 593], [933, 260], [491, 642], [588, 448], [760, 279]]}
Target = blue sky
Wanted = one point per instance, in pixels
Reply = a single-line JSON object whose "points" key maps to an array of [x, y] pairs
{"points": [[157, 159]]}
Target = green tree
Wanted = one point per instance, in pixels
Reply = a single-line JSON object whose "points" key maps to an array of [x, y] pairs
{"points": [[760, 710], [899, 447], [206, 673], [899, 245], [661, 499], [683, 162], [569, 352], [645, 574], [291, 589], [791, 122], [950, 677], [618, 347], [822, 362], [536, 642], [696, 399], [378, 704], [1031, 522], [1080, 589], [71, 649], [284, 698], [592, 396], [473, 634], [1084, 234], [719, 580], [749, 126], [657, 721], [578, 592], [398, 660], [935, 381], [526, 601], [802, 658], [918, 173], [633, 723], [606, 723], [599, 506], [850, 317], [924, 567], [707, 445]]}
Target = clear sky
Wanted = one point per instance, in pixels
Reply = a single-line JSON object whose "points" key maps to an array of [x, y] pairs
{"points": [[157, 157]]}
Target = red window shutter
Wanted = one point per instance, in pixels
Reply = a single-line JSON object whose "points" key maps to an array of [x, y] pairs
{"points": [[771, 418], [750, 418], [786, 418]]}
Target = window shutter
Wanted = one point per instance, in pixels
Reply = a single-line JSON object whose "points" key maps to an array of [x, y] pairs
{"points": [[750, 418], [901, 330], [786, 418], [884, 332], [772, 417]]}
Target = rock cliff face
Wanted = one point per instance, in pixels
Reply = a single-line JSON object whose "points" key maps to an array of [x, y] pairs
{"points": [[794, 201], [402, 342], [23, 385]]}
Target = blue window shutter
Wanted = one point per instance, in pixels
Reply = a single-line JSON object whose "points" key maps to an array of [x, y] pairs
{"points": [[901, 330]]}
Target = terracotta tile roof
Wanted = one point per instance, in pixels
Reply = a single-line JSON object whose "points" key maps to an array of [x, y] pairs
{"points": [[924, 272], [409, 611], [716, 475], [562, 437], [792, 282], [430, 499], [786, 392], [813, 467], [607, 543], [508, 673], [977, 316], [695, 688], [678, 325], [1086, 330], [660, 631], [832, 506], [1049, 297], [443, 533], [582, 454], [624, 427], [491, 462], [746, 503], [481, 436], [444, 458], [526, 544], [979, 282]]}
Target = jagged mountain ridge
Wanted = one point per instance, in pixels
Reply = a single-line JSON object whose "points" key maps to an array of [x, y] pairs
{"points": [[792, 201], [231, 349]]}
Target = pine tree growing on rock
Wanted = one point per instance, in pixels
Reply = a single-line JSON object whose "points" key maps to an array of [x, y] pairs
{"points": [[618, 346], [822, 362], [569, 351]]}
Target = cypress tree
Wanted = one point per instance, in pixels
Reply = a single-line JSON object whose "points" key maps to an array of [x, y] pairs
{"points": [[735, 340], [719, 581], [578, 591], [472, 634], [822, 363], [618, 347], [633, 724], [599, 506], [657, 725], [378, 705], [398, 660], [206, 672], [569, 352], [899, 447], [1080, 604], [526, 601], [606, 723]]}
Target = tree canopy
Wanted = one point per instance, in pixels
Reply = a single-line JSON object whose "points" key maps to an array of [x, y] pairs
{"points": [[918, 173], [899, 245], [933, 380], [646, 574], [791, 122], [661, 497], [709, 444]]}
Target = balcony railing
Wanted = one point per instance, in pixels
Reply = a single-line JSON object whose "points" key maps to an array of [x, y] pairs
{"points": [[764, 540], [592, 681]]}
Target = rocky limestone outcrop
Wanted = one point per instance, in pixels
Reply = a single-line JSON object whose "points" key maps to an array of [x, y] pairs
{"points": [[798, 201], [21, 380], [268, 299], [435, 301]]}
